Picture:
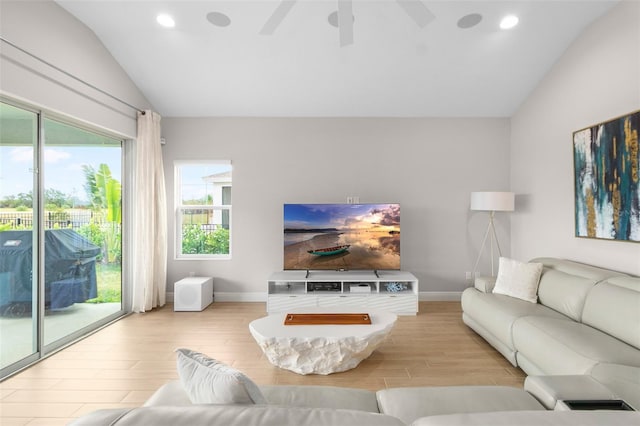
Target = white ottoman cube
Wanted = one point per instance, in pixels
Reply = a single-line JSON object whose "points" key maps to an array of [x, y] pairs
{"points": [[192, 294]]}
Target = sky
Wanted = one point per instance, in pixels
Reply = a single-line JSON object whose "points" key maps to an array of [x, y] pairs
{"points": [[341, 216], [192, 173], [62, 168]]}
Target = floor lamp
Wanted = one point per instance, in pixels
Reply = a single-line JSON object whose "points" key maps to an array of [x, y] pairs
{"points": [[491, 202]]}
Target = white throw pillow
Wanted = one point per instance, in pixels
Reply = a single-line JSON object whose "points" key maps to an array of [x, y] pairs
{"points": [[208, 381], [518, 279]]}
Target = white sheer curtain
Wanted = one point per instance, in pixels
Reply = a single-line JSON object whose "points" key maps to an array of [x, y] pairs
{"points": [[149, 245]]}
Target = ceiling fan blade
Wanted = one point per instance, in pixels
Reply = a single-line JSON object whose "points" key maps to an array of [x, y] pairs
{"points": [[417, 11], [345, 22], [276, 18]]}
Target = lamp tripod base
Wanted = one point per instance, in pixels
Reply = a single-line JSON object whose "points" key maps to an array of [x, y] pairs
{"points": [[493, 237]]}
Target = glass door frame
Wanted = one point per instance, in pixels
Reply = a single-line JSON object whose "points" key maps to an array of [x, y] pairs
{"points": [[36, 323], [40, 349]]}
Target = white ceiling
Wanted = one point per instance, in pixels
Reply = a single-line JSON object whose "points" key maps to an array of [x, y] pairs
{"points": [[393, 69]]}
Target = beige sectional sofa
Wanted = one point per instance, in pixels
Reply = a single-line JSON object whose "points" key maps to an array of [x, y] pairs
{"points": [[585, 316], [580, 341], [333, 406]]}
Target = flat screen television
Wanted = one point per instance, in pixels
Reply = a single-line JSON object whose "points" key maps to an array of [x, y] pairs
{"points": [[342, 237]]}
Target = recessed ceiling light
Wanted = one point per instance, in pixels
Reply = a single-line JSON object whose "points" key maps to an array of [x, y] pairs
{"points": [[218, 19], [470, 20], [333, 18], [166, 20], [509, 22]]}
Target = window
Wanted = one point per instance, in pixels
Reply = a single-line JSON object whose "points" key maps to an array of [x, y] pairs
{"points": [[203, 209]]}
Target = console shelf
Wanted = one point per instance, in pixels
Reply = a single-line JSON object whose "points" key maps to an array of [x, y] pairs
{"points": [[393, 291]]}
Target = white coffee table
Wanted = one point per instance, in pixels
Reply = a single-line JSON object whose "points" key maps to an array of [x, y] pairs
{"points": [[320, 349]]}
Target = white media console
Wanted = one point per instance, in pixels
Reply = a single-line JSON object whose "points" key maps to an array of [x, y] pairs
{"points": [[393, 291]]}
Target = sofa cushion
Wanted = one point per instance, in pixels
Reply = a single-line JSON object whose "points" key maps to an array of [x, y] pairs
{"points": [[613, 306], [409, 404], [496, 313], [321, 397], [518, 279], [535, 418], [562, 346], [564, 292], [207, 381], [234, 415], [564, 284]]}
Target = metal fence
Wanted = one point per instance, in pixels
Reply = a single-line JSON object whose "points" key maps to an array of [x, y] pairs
{"points": [[73, 219]]}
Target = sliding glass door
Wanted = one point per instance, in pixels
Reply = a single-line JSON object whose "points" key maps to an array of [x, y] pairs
{"points": [[82, 222], [60, 234]]}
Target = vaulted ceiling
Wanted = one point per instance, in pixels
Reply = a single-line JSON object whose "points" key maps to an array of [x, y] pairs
{"points": [[407, 58]]}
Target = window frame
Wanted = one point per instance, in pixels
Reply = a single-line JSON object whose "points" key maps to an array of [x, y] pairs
{"points": [[179, 209]]}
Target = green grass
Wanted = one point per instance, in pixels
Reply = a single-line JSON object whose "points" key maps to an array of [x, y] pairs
{"points": [[109, 283]]}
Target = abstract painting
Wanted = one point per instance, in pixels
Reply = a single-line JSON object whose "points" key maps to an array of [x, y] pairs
{"points": [[607, 183]]}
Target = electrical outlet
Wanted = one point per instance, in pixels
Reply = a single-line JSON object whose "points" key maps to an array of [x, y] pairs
{"points": [[468, 276], [349, 200]]}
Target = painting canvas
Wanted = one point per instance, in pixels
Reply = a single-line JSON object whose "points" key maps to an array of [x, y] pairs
{"points": [[607, 183]]}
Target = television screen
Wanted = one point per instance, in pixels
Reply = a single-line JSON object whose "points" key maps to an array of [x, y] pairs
{"points": [[342, 236]]}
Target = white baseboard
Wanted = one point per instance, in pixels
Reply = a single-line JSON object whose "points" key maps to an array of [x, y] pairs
{"points": [[231, 297], [425, 296], [239, 297], [440, 296]]}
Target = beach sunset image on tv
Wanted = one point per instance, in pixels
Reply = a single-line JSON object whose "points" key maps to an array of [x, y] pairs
{"points": [[342, 236]]}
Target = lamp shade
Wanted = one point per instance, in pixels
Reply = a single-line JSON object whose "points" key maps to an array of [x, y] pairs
{"points": [[493, 201]]}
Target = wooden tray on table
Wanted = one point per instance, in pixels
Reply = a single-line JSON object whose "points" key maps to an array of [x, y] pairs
{"points": [[327, 319]]}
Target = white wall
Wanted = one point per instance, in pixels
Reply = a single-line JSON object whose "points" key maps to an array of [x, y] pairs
{"points": [[597, 79], [46, 30], [429, 166]]}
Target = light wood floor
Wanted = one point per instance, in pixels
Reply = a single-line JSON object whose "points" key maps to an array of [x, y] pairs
{"points": [[122, 365]]}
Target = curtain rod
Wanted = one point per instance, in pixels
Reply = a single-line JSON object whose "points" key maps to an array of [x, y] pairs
{"points": [[72, 76]]}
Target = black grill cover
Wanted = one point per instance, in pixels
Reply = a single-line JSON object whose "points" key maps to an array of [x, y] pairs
{"points": [[70, 267]]}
